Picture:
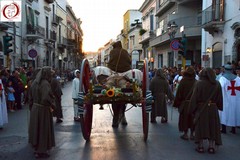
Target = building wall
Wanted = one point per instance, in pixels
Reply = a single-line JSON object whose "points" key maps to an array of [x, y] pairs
{"points": [[128, 18], [225, 37]]}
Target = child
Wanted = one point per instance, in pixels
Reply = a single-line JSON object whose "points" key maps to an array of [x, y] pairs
{"points": [[11, 98]]}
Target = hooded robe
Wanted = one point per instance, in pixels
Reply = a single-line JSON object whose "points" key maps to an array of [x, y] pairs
{"points": [[41, 131], [207, 122], [120, 60], [182, 98], [161, 91]]}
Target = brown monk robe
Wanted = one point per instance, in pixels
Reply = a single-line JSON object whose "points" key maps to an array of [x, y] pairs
{"points": [[181, 101], [206, 116], [160, 91], [57, 91], [120, 61], [41, 132]]}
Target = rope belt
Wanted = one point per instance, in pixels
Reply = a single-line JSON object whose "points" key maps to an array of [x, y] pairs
{"points": [[209, 103], [39, 105]]}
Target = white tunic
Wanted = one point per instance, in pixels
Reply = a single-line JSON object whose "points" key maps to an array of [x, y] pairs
{"points": [[3, 108], [75, 88], [230, 116]]}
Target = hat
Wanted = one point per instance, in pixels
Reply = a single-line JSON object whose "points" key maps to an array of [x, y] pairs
{"points": [[228, 67], [76, 71]]}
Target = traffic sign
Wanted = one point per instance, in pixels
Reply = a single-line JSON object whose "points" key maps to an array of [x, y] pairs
{"points": [[174, 45], [32, 53]]}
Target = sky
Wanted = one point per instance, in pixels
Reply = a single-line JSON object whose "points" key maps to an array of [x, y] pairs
{"points": [[102, 20]]}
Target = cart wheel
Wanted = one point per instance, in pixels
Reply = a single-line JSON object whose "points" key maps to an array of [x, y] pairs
{"points": [[145, 115], [86, 121], [86, 116]]}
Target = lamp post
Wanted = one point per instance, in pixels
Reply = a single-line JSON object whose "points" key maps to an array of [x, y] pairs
{"points": [[172, 30]]}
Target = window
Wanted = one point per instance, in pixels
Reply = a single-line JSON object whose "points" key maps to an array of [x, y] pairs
{"points": [[47, 35], [1, 46], [151, 22], [30, 16], [133, 40], [37, 20], [237, 32], [59, 33], [53, 8], [160, 2], [161, 26], [160, 61]]}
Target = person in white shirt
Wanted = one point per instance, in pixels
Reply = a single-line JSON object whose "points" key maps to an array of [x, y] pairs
{"points": [[75, 91]]}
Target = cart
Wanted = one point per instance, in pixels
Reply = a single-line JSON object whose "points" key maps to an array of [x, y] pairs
{"points": [[90, 94]]}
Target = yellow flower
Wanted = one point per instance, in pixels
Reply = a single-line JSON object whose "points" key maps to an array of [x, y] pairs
{"points": [[110, 93]]}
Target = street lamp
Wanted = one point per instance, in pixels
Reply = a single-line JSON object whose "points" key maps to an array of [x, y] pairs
{"points": [[172, 30]]}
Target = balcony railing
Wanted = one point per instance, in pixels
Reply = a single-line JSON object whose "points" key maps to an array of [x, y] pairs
{"points": [[35, 32], [56, 20], [213, 14], [192, 28], [62, 43], [49, 1], [164, 6], [6, 25], [213, 18], [146, 36], [53, 36]]}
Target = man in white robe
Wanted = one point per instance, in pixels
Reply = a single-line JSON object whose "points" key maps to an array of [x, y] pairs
{"points": [[75, 91], [3, 107], [230, 116]]}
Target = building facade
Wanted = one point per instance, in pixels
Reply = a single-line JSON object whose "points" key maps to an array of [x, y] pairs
{"points": [[185, 15], [41, 38], [221, 34]]}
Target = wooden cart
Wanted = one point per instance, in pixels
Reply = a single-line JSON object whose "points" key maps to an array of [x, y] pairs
{"points": [[138, 96]]}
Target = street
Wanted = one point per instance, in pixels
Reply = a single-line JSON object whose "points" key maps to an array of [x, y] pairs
{"points": [[107, 143]]}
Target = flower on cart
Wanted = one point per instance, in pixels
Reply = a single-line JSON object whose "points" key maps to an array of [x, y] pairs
{"points": [[118, 92], [110, 92], [103, 92]]}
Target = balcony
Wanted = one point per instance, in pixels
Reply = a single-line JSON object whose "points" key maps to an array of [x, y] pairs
{"points": [[192, 28], [146, 37], [184, 1], [62, 43], [5, 25], [35, 32], [164, 6], [213, 19], [49, 1], [72, 45], [53, 36], [56, 20]]}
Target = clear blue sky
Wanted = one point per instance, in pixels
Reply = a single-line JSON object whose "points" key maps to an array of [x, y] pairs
{"points": [[102, 20]]}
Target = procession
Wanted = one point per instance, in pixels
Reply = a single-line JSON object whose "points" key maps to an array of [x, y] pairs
{"points": [[207, 103], [101, 80]]}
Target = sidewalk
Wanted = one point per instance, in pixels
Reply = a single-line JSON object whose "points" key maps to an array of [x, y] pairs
{"points": [[14, 136]]}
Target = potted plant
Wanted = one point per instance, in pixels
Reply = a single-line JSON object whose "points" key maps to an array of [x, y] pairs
{"points": [[142, 31]]}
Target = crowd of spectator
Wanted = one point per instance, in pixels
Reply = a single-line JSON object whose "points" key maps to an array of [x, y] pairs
{"points": [[15, 85]]}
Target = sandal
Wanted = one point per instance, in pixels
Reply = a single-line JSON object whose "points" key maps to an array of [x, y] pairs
{"points": [[37, 155], [192, 137], [200, 149], [184, 137], [211, 150], [163, 120]]}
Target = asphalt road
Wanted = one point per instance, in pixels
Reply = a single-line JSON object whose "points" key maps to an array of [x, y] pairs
{"points": [[106, 143]]}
